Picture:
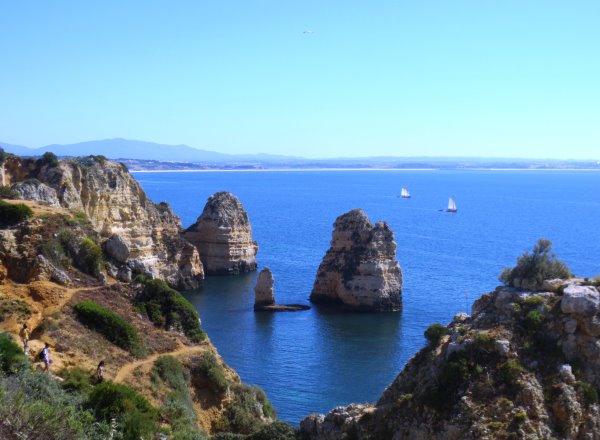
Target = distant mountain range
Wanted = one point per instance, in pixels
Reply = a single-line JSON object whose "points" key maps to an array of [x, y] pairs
{"points": [[141, 155]]}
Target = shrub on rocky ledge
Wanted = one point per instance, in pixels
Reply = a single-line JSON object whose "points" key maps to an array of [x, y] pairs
{"points": [[112, 326], [11, 214], [435, 333], [166, 307], [535, 267]]}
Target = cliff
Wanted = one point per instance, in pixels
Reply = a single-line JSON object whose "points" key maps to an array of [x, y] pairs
{"points": [[159, 364], [360, 269], [223, 235], [524, 365], [140, 236]]}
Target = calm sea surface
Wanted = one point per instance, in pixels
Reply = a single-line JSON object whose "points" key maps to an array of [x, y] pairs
{"points": [[312, 361]]}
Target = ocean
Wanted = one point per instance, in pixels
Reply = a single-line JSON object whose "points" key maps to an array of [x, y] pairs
{"points": [[315, 360]]}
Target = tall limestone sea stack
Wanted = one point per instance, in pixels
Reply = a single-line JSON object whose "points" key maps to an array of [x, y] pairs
{"points": [[264, 293], [360, 269], [224, 236]]}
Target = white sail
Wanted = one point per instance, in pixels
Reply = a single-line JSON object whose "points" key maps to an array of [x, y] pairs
{"points": [[404, 193], [451, 205]]}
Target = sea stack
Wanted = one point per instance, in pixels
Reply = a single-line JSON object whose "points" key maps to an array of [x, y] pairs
{"points": [[264, 294], [360, 270], [223, 236]]}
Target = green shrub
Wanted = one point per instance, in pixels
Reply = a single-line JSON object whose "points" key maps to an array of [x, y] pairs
{"points": [[534, 320], [77, 380], [435, 333], [112, 326], [275, 431], [542, 264], [484, 341], [12, 358], [242, 415], [90, 258], [520, 417], [54, 251], [510, 371], [48, 158], [590, 393], [175, 310], [137, 417], [35, 406], [11, 214], [209, 367], [228, 436], [7, 193], [532, 301]]}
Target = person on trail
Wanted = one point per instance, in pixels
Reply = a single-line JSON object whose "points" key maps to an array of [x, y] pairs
{"points": [[100, 372], [46, 356], [25, 337]]}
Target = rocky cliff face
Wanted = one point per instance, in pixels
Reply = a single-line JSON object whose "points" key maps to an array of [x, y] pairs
{"points": [[116, 206], [526, 365], [224, 236], [360, 269], [264, 293]]}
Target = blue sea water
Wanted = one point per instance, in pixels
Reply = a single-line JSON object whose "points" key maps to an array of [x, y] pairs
{"points": [[312, 361]]}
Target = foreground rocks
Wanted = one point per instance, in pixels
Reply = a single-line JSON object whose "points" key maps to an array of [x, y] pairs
{"points": [[525, 365], [223, 235], [360, 270]]}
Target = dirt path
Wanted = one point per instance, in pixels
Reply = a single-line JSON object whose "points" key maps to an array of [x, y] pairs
{"points": [[130, 367]]}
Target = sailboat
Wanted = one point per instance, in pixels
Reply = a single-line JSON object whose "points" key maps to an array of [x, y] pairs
{"points": [[404, 193], [451, 205]]}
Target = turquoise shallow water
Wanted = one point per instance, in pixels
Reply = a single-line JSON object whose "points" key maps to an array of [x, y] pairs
{"points": [[312, 361]]}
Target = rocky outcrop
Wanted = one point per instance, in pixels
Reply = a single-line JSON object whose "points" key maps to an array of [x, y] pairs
{"points": [[524, 365], [35, 190], [223, 236], [265, 296], [147, 235], [360, 269], [263, 292]]}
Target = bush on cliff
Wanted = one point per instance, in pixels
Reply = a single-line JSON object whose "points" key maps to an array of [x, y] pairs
{"points": [[243, 415], [12, 358], [435, 333], [209, 367], [11, 214], [136, 416], [6, 192], [89, 258], [48, 158], [112, 326], [167, 308], [537, 266]]}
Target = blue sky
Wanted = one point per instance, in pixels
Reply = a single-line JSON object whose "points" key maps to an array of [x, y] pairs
{"points": [[405, 78]]}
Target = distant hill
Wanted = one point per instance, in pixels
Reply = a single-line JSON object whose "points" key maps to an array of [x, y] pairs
{"points": [[141, 155], [131, 149]]}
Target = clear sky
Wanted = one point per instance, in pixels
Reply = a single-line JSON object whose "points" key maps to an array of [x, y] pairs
{"points": [[405, 78]]}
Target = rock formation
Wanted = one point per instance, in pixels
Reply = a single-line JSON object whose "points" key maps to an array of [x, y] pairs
{"points": [[115, 205], [360, 269], [525, 365], [223, 236], [264, 294]]}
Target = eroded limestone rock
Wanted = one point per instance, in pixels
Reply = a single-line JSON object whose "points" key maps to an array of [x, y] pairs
{"points": [[264, 293], [360, 269], [223, 236]]}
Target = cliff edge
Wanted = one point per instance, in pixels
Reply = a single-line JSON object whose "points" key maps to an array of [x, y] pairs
{"points": [[525, 365]]}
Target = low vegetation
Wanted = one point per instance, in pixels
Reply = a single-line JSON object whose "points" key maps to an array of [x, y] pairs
{"points": [[111, 325], [209, 367], [537, 266], [67, 249], [435, 333], [242, 414], [11, 214], [49, 159], [167, 308], [7, 193], [13, 307]]}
